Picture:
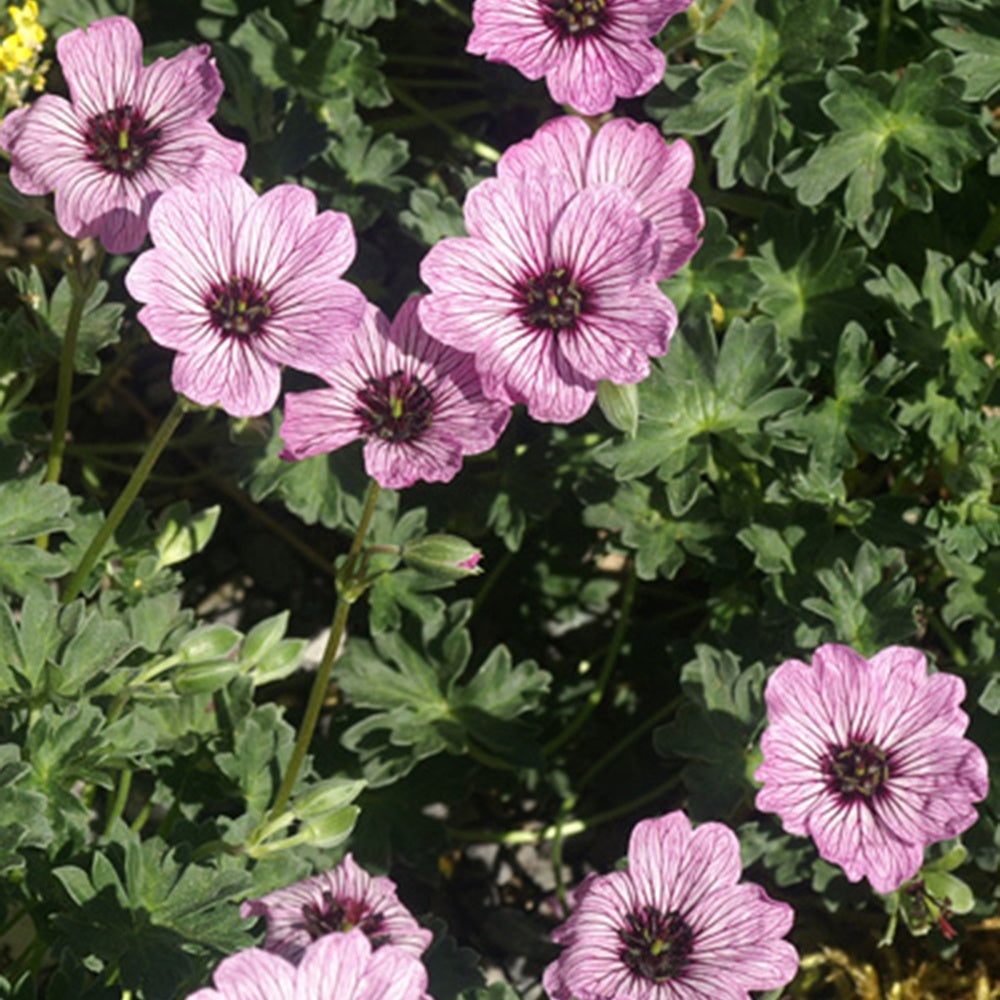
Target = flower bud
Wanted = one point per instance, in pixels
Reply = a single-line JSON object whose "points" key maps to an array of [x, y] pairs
{"points": [[446, 557]]}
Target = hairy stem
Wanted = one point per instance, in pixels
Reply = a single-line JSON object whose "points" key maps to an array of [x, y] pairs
{"points": [[125, 499], [610, 659], [346, 596]]}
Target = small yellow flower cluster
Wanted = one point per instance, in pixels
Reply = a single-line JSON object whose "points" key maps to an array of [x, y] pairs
{"points": [[19, 52]]}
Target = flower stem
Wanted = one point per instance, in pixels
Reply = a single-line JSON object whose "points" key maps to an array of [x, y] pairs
{"points": [[569, 827], [610, 658], [120, 800], [481, 149], [882, 41], [82, 285], [347, 594], [452, 11], [125, 499]]}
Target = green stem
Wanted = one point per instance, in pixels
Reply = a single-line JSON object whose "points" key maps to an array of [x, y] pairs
{"points": [[610, 658], [491, 580], [346, 596], [989, 235], [488, 759], [569, 828], [882, 41], [81, 285], [125, 499], [623, 744], [481, 149], [120, 800], [452, 11], [941, 630]]}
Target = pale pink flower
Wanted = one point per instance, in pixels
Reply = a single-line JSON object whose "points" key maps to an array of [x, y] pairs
{"points": [[336, 902], [416, 403], [240, 284], [867, 758], [633, 156], [676, 925], [589, 51], [336, 967], [127, 134], [552, 291]]}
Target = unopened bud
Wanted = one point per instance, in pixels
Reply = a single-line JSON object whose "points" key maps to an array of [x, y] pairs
{"points": [[447, 557]]}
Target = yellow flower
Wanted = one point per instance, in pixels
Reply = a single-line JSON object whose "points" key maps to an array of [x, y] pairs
{"points": [[19, 51]]}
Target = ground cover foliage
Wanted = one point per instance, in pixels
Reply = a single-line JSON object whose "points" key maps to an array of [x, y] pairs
{"points": [[813, 461]]}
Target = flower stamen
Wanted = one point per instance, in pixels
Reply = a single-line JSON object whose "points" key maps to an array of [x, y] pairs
{"points": [[858, 770], [577, 18], [121, 140], [238, 307], [396, 408], [334, 915], [657, 946], [552, 301]]}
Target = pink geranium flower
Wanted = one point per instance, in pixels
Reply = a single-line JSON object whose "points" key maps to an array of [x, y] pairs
{"points": [[127, 134], [634, 157], [336, 967], [676, 925], [867, 758], [240, 284], [336, 902], [552, 291], [416, 403], [589, 51]]}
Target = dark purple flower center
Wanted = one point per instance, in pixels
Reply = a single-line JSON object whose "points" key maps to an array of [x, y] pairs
{"points": [[656, 946], [551, 301], [396, 408], [121, 140], [576, 18], [238, 307], [858, 770], [341, 915]]}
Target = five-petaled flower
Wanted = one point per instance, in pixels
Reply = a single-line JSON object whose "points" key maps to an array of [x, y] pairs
{"points": [[631, 155], [676, 925], [335, 902], [128, 133], [240, 284], [867, 757], [589, 51], [416, 403], [335, 967], [552, 291]]}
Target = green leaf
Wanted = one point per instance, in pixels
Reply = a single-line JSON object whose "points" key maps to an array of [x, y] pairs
{"points": [[262, 745], [701, 397], [432, 216], [662, 541], [422, 708], [809, 278], [367, 159], [99, 324], [896, 140], [620, 406], [29, 508], [718, 278], [857, 413], [712, 730], [210, 642], [262, 638], [870, 604], [976, 34], [181, 534], [309, 488], [767, 45], [358, 13]]}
